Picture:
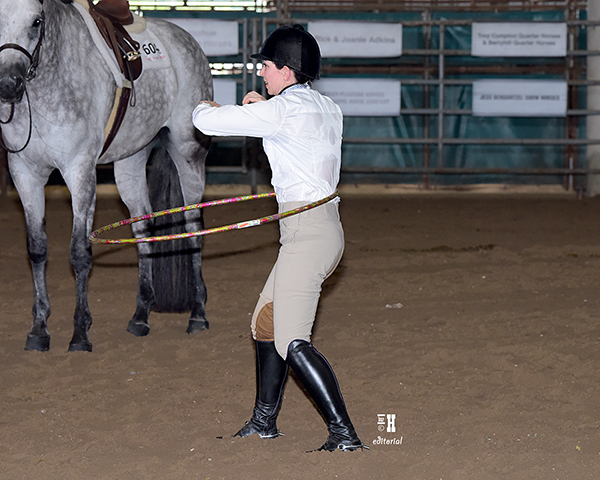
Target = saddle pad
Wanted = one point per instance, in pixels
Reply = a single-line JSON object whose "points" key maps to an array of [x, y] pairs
{"points": [[154, 55]]}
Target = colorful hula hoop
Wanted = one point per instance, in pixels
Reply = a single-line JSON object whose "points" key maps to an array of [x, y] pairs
{"points": [[234, 226]]}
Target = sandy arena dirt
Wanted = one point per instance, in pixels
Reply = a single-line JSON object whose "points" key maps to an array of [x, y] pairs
{"points": [[473, 318]]}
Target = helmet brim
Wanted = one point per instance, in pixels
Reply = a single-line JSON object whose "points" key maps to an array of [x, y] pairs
{"points": [[259, 56]]}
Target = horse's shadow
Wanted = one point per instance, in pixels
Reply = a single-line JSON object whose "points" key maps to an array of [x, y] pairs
{"points": [[103, 259]]}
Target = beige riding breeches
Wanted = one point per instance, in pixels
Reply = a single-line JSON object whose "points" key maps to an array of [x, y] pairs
{"points": [[312, 244]]}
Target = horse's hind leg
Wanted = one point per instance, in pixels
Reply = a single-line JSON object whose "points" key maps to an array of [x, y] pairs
{"points": [[130, 177], [197, 321], [189, 157]]}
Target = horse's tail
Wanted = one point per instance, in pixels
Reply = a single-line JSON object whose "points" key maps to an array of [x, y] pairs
{"points": [[172, 263]]}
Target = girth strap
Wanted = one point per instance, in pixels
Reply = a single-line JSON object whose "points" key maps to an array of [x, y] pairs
{"points": [[116, 116]]}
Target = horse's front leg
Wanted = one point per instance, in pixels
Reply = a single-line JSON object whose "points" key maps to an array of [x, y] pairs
{"points": [[30, 186], [82, 185], [130, 177], [38, 337]]}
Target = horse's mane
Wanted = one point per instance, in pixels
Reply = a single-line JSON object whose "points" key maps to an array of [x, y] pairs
{"points": [[67, 1]]}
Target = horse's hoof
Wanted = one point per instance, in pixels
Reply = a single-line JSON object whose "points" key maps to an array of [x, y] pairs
{"points": [[197, 326], [139, 329], [80, 347], [41, 344]]}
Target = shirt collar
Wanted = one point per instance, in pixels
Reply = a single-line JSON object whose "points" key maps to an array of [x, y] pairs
{"points": [[295, 86]]}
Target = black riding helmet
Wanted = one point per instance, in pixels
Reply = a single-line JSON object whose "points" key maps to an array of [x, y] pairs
{"points": [[295, 47]]}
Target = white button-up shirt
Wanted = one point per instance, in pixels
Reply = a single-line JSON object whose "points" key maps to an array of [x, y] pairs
{"points": [[302, 137]]}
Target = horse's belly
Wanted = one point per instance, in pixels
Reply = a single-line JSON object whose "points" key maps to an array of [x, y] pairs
{"points": [[154, 97]]}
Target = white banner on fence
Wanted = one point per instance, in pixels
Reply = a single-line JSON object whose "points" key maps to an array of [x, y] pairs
{"points": [[519, 98], [357, 39], [216, 37], [363, 97], [225, 91], [519, 39]]}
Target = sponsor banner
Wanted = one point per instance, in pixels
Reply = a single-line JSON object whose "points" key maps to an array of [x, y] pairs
{"points": [[519, 39], [363, 97], [216, 37], [357, 39], [519, 98], [225, 91]]}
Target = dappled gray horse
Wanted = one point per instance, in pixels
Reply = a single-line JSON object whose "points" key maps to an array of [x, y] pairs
{"points": [[57, 94]]}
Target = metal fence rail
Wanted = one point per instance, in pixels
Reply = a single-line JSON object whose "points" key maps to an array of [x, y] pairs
{"points": [[287, 7], [433, 70]]}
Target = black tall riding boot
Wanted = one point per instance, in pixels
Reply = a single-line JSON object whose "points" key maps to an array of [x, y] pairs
{"points": [[317, 377], [271, 372]]}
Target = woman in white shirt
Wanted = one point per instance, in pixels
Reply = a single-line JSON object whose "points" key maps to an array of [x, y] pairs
{"points": [[302, 135]]}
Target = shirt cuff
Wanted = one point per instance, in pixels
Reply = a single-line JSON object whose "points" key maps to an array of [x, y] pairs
{"points": [[198, 112]]}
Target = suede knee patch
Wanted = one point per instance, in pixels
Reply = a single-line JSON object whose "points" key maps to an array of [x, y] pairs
{"points": [[264, 324]]}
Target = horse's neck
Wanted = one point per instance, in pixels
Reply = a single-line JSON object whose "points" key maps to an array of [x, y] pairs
{"points": [[60, 23]]}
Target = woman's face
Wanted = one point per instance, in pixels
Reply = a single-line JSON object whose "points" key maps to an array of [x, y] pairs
{"points": [[275, 79]]}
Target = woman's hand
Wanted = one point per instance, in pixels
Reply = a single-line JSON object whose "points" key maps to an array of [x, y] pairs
{"points": [[211, 103], [253, 97]]}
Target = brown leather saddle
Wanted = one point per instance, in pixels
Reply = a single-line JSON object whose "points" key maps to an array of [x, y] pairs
{"points": [[110, 17]]}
